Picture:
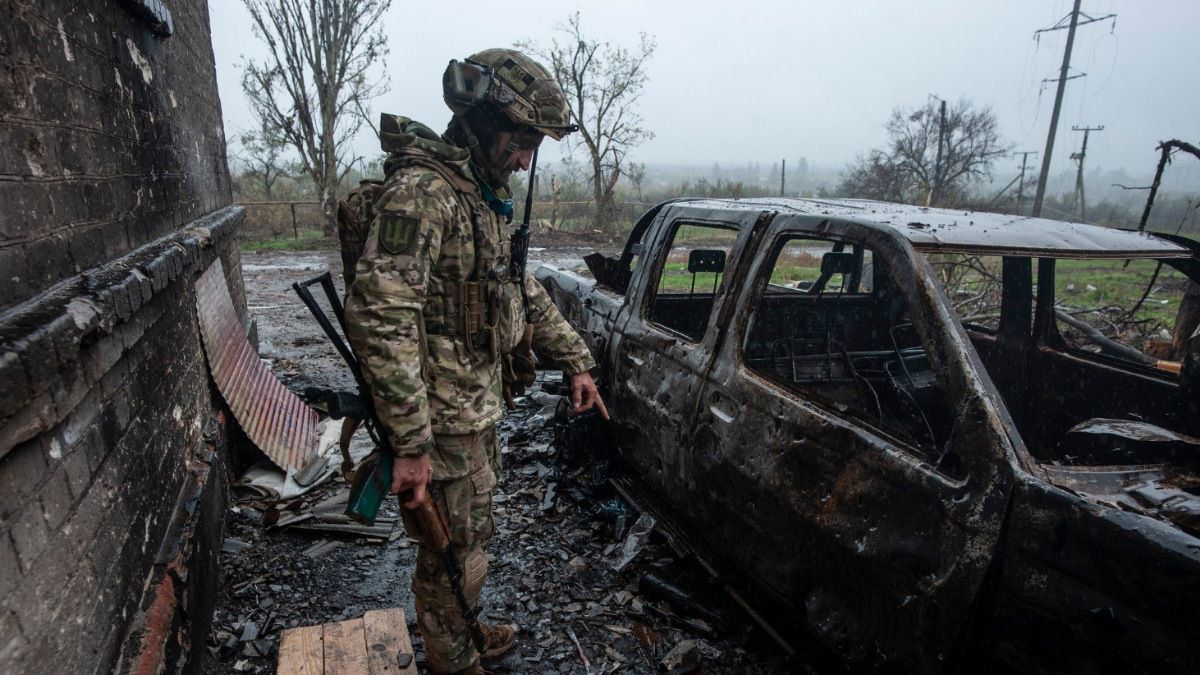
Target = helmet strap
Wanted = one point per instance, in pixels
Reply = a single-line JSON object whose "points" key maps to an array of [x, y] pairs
{"points": [[473, 144]]}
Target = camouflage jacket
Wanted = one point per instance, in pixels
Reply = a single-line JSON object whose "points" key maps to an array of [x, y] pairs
{"points": [[431, 232]]}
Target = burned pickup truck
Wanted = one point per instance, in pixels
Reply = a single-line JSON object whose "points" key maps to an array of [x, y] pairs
{"points": [[924, 482]]}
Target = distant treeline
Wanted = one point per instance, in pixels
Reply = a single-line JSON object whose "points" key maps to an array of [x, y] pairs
{"points": [[564, 194]]}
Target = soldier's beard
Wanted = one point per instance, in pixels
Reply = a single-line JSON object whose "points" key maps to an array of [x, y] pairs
{"points": [[485, 155]]}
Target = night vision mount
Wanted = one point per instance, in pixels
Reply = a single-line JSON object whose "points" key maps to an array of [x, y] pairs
{"points": [[468, 84]]}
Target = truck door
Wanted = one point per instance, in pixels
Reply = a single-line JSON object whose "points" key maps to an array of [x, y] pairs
{"points": [[666, 337], [860, 459]]}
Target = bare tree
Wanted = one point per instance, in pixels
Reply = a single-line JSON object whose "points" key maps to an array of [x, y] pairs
{"points": [[262, 156], [603, 83], [932, 156], [875, 176], [637, 176], [313, 86]]}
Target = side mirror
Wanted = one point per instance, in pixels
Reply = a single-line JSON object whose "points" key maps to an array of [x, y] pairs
{"points": [[837, 262]]}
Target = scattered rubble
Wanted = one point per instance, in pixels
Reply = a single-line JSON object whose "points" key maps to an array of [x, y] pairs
{"points": [[560, 524]]}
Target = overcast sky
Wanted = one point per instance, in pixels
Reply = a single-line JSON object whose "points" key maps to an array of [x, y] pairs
{"points": [[760, 80]]}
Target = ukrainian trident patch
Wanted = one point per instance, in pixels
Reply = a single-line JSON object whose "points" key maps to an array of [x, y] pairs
{"points": [[398, 234]]}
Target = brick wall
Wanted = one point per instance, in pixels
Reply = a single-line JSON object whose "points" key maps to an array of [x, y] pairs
{"points": [[110, 136], [112, 173]]}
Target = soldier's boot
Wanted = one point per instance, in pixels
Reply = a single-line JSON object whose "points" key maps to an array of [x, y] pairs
{"points": [[474, 669], [497, 640]]}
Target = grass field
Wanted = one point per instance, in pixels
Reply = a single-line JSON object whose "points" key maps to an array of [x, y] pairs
{"points": [[791, 267], [308, 240], [1097, 284]]}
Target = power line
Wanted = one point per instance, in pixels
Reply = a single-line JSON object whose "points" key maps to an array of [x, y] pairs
{"points": [[1080, 199], [1021, 186], [1070, 23], [1062, 23]]}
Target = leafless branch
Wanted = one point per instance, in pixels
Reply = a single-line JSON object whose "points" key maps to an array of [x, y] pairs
{"points": [[603, 82], [312, 86], [1166, 150], [908, 170]]}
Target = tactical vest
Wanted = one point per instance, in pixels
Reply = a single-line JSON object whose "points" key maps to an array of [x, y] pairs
{"points": [[486, 310]]}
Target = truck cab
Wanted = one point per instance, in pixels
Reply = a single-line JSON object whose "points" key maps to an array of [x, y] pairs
{"points": [[915, 484]]}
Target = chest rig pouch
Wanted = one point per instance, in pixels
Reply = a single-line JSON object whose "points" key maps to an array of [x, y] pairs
{"points": [[491, 305]]}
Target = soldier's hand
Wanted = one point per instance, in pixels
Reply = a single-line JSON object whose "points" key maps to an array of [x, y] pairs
{"points": [[585, 395], [411, 473]]}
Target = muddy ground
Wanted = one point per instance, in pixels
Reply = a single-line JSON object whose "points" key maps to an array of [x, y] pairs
{"points": [[560, 526]]}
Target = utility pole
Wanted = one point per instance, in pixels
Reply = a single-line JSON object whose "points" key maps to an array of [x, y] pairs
{"points": [[1021, 185], [782, 176], [1079, 157], [936, 185], [1058, 96]]}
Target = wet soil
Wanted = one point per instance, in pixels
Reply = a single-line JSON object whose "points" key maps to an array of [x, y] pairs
{"points": [[560, 527]]}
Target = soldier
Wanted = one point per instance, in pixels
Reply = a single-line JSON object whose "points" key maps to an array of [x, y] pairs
{"points": [[434, 313]]}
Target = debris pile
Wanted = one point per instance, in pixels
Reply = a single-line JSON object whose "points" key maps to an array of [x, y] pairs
{"points": [[577, 567], [592, 582]]}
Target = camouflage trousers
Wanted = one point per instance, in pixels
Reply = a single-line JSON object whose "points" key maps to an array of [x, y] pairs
{"points": [[465, 470]]}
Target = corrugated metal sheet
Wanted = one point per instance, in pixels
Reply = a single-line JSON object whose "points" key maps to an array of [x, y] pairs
{"points": [[275, 419]]}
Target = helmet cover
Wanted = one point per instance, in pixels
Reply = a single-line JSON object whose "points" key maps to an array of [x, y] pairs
{"points": [[519, 87]]}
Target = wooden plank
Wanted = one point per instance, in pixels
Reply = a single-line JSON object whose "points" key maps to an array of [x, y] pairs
{"points": [[387, 637], [345, 652], [300, 651]]}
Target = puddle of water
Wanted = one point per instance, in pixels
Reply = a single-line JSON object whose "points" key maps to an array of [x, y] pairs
{"points": [[296, 266], [289, 262]]}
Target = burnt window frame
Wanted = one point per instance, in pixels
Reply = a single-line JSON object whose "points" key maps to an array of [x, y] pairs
{"points": [[922, 451], [655, 273], [154, 14], [1045, 329]]}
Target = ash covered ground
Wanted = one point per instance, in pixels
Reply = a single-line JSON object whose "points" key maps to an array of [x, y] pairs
{"points": [[560, 527]]}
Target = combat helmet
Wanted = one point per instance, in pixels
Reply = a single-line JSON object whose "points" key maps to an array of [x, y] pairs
{"points": [[519, 87]]}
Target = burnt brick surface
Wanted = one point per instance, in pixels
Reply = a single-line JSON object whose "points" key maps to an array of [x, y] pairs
{"points": [[116, 198], [110, 136]]}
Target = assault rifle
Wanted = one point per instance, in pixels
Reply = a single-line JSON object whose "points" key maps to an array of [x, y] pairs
{"points": [[372, 481]]}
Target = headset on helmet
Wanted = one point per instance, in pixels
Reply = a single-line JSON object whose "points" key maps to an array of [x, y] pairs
{"points": [[514, 84]]}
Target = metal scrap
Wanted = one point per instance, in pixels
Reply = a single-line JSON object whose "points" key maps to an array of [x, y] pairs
{"points": [[274, 418], [634, 541]]}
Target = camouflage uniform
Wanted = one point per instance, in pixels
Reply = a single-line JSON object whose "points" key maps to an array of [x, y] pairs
{"points": [[434, 248]]}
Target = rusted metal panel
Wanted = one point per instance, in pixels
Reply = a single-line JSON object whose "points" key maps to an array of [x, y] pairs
{"points": [[275, 419]]}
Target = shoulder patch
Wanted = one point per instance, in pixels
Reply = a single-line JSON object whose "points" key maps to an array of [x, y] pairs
{"points": [[398, 234]]}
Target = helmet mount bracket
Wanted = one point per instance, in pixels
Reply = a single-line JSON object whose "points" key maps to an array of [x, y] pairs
{"points": [[467, 84]]}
